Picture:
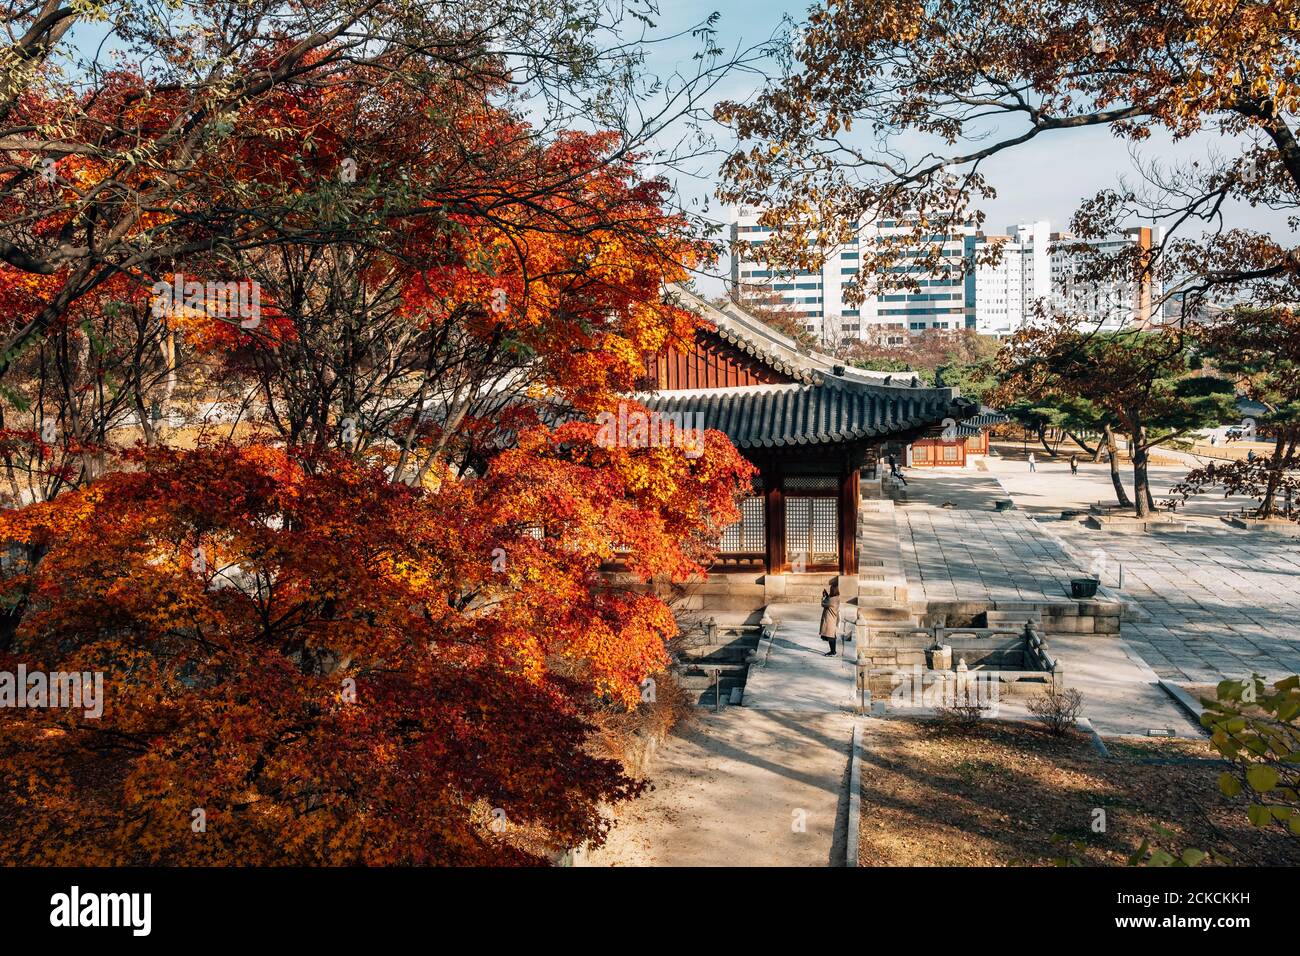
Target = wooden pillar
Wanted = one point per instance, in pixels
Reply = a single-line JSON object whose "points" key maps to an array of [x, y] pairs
{"points": [[848, 509], [774, 517]]}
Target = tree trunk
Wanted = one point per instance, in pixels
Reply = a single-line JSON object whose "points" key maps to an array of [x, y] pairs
{"points": [[1141, 480], [1095, 452], [1042, 438], [1121, 495], [1269, 502]]}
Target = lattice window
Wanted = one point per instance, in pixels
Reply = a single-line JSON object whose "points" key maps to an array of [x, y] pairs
{"points": [[812, 530], [810, 484], [749, 534], [951, 453]]}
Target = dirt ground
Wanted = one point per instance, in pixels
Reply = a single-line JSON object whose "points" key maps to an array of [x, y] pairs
{"points": [[745, 787], [998, 795]]}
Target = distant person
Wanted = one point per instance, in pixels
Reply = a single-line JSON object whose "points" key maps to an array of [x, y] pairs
{"points": [[1250, 455], [895, 471], [1214, 440], [1033, 462], [1074, 464], [830, 623]]}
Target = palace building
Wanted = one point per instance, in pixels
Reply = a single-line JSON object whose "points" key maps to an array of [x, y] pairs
{"points": [[809, 425], [952, 447]]}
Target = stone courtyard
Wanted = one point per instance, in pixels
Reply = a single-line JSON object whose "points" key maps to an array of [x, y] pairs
{"points": [[967, 555], [1207, 603]]}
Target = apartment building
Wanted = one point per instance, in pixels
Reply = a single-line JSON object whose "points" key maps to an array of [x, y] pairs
{"points": [[1036, 265], [1006, 292], [944, 297], [1107, 305]]}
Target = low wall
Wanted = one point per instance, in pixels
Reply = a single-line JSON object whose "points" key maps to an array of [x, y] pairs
{"points": [[1063, 617], [894, 648]]}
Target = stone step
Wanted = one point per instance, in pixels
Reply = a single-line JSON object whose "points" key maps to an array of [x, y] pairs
{"points": [[879, 600], [1002, 619], [719, 653], [821, 578], [873, 614], [705, 683], [720, 638], [803, 595], [879, 587]]}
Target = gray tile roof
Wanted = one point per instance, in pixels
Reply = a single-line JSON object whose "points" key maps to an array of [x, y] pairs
{"points": [[834, 410], [756, 338], [985, 417]]}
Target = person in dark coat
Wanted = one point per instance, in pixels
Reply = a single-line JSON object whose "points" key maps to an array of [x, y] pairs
{"points": [[830, 624]]}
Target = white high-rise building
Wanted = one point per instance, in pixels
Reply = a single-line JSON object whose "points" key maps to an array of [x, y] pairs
{"points": [[1036, 266], [1107, 305], [945, 298], [1005, 293]]}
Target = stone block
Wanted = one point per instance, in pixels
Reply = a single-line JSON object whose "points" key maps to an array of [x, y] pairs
{"points": [[1106, 625], [1061, 625], [1061, 610]]}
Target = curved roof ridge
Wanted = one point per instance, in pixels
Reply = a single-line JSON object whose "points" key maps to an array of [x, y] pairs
{"points": [[758, 339]]}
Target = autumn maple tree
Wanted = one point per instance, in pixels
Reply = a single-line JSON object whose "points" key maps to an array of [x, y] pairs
{"points": [[340, 565], [331, 666]]}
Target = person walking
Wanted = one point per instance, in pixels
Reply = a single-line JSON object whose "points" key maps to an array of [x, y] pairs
{"points": [[830, 623], [1033, 462], [1074, 464]]}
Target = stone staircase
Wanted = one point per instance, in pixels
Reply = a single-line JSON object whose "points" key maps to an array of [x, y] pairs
{"points": [[717, 657], [882, 584]]}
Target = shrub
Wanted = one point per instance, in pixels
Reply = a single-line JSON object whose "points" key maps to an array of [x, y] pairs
{"points": [[1257, 728], [960, 717], [1057, 708]]}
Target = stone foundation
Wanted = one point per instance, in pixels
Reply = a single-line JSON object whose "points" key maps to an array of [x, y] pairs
{"points": [[1273, 525], [1064, 617]]}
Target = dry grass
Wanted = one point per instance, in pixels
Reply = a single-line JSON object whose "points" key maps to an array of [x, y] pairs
{"points": [[998, 795]]}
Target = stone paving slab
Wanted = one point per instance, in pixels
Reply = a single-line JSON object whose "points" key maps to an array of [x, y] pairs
{"points": [[796, 675], [1121, 694], [959, 555], [1216, 602], [1213, 602]]}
